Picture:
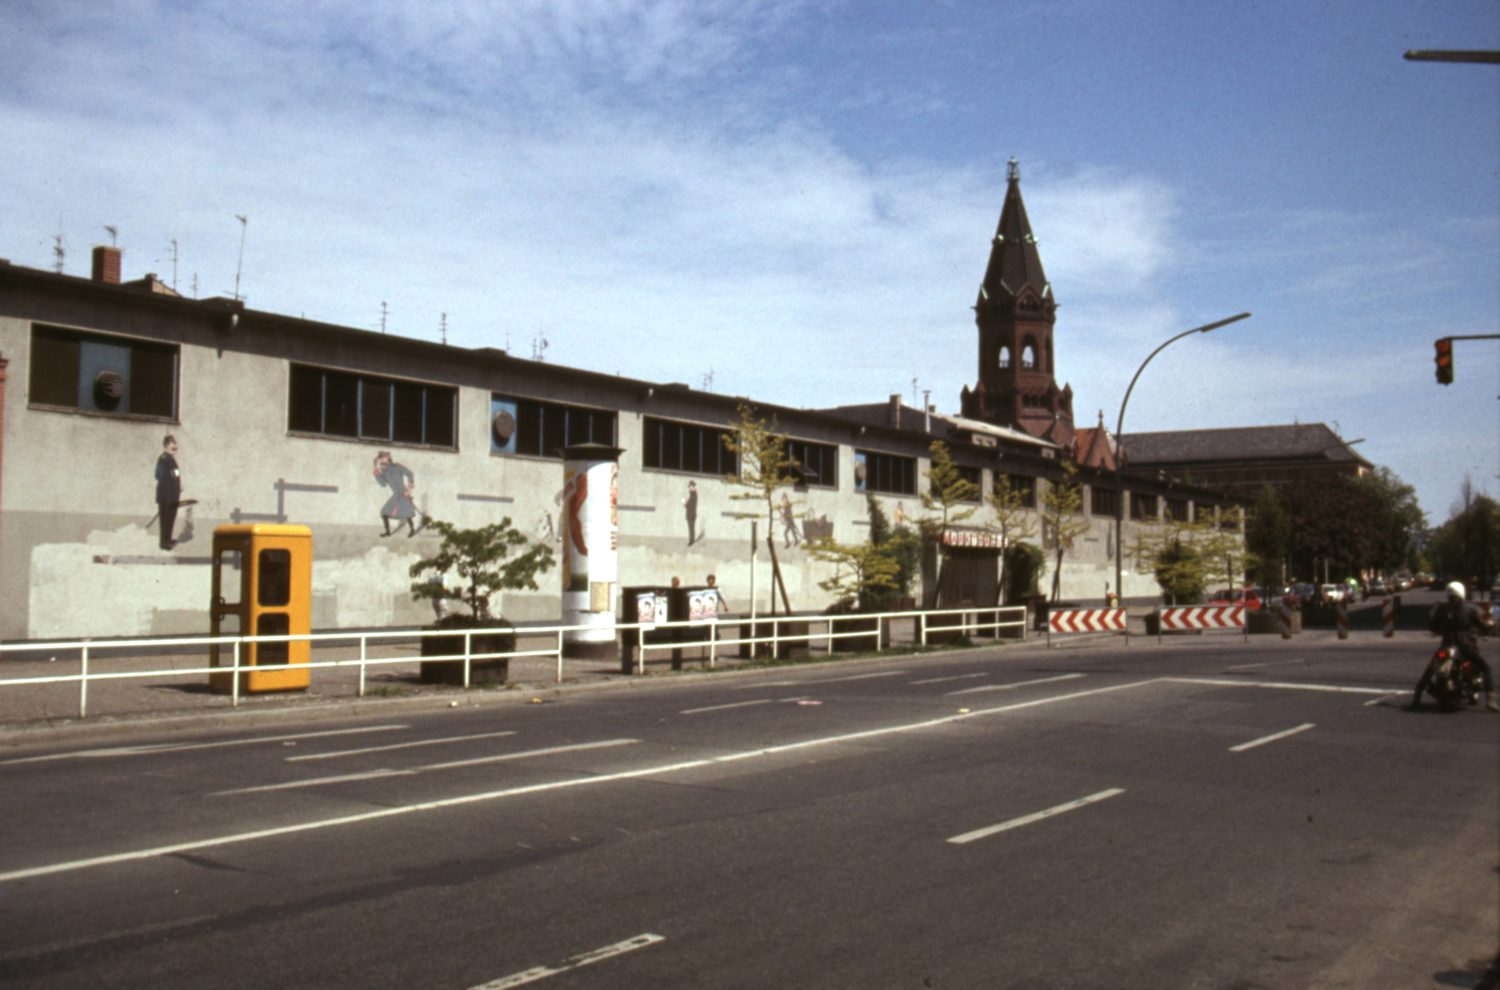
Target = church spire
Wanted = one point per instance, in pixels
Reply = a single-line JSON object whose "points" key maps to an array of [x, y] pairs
{"points": [[1015, 263], [1015, 314]]}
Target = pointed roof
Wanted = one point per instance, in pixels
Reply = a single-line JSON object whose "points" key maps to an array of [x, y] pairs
{"points": [[1014, 260], [1094, 446]]}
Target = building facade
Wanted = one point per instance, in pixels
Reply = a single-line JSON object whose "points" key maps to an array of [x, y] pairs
{"points": [[124, 407]]}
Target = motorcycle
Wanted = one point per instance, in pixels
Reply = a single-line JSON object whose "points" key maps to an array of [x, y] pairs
{"points": [[1455, 681]]}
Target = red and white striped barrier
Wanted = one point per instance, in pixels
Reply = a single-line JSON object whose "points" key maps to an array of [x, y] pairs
{"points": [[1284, 613], [1197, 618], [1341, 617], [1388, 618], [1086, 620]]}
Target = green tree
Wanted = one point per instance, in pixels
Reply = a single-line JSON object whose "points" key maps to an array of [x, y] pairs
{"points": [[763, 469], [1012, 521], [861, 572], [1396, 521], [478, 557], [1268, 535], [1062, 519], [950, 495], [1467, 546], [901, 544]]}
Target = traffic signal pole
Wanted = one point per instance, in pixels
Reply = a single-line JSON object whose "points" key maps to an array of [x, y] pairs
{"points": [[1443, 354]]}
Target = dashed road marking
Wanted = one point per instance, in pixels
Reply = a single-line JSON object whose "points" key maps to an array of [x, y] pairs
{"points": [[1271, 738], [575, 962], [984, 833]]}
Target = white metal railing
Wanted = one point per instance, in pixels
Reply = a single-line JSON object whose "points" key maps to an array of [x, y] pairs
{"points": [[784, 629]]}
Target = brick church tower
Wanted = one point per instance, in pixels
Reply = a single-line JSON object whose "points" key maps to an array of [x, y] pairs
{"points": [[1015, 313]]}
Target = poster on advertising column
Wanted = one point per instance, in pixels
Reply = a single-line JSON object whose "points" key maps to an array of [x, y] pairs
{"points": [[591, 543]]}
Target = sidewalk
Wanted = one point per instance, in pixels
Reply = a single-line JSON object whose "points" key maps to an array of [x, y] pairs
{"points": [[141, 686]]}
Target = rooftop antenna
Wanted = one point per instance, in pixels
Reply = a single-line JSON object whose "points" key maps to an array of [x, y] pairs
{"points": [[539, 345], [114, 232], [913, 389], [58, 252], [708, 381], [174, 264], [195, 285], [384, 310], [244, 223], [443, 326]]}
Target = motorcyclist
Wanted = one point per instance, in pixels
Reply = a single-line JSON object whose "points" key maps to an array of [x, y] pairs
{"points": [[1458, 621]]}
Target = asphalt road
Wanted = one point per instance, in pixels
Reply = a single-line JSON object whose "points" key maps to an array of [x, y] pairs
{"points": [[1208, 813]]}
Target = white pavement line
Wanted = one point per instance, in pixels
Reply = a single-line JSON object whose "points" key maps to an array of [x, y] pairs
{"points": [[942, 680], [529, 789], [861, 677], [984, 833], [184, 747], [1283, 685], [529, 754], [406, 745], [1010, 687], [720, 708], [1382, 699], [1269, 663], [1271, 738], [315, 782], [585, 959]]}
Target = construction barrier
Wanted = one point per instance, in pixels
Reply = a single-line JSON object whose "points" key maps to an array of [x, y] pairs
{"points": [[1200, 618], [1388, 618], [1341, 618], [1284, 615], [1087, 620]]}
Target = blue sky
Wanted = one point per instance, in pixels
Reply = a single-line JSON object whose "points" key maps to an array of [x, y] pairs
{"points": [[796, 198]]}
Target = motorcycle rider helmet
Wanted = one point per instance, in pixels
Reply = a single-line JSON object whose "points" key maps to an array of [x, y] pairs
{"points": [[1456, 591]]}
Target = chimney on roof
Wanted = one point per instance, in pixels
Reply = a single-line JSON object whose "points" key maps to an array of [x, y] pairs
{"points": [[895, 408], [107, 264]]}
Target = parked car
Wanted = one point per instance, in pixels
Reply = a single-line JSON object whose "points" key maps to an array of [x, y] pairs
{"points": [[1291, 597], [1333, 594], [1248, 597], [1378, 586]]}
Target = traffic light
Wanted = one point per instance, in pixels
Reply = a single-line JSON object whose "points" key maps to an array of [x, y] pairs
{"points": [[1444, 359]]}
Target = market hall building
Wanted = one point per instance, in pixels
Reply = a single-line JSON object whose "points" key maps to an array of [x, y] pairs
{"points": [[107, 386]]}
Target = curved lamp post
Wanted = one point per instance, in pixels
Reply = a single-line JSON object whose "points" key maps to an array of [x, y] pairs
{"points": [[1120, 444]]}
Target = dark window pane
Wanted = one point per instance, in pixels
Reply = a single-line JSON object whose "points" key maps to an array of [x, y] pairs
{"points": [[272, 624], [375, 410], [153, 381], [274, 581], [554, 426], [440, 416], [305, 400], [54, 367], [409, 413], [651, 444], [340, 404]]}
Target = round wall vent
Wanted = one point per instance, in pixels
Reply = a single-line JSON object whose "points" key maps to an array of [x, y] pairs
{"points": [[503, 425], [109, 389]]}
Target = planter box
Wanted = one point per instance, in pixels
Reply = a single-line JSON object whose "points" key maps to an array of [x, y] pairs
{"points": [[451, 671], [1268, 622]]}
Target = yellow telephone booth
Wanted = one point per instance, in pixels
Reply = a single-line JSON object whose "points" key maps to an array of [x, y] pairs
{"points": [[262, 586]]}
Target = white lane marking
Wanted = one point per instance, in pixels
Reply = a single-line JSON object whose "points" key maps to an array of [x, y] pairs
{"points": [[406, 745], [942, 680], [154, 748], [584, 959], [1268, 663], [861, 677], [984, 833], [1271, 738], [345, 778], [1010, 687], [1382, 699], [530, 753], [720, 708], [134, 855], [1284, 685]]}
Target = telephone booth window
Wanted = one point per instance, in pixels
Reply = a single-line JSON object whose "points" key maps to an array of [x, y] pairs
{"points": [[275, 577], [229, 568], [273, 624]]}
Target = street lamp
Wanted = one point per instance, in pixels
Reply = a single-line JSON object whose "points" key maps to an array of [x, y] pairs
{"points": [[1120, 444]]}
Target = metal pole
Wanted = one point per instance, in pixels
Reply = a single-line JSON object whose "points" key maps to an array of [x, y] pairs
{"points": [[1120, 445], [83, 683], [364, 656]]}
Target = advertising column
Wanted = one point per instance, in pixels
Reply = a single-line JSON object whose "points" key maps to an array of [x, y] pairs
{"points": [[591, 547]]}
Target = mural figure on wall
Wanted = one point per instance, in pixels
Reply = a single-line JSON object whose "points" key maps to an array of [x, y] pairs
{"points": [[399, 506], [168, 490], [789, 534], [690, 506]]}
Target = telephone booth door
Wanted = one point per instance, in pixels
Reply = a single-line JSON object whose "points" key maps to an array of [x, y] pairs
{"points": [[262, 586]]}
